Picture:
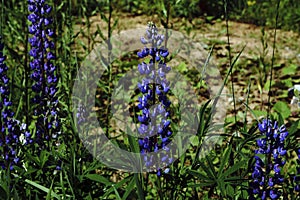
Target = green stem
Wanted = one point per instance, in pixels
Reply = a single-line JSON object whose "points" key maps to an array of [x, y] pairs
{"points": [[273, 58], [230, 62], [138, 183], [2, 18], [27, 71], [109, 45], [159, 188], [167, 24]]}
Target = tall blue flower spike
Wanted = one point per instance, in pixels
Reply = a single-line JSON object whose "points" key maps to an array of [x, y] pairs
{"points": [[296, 178], [44, 72], [269, 159], [154, 104], [10, 130]]}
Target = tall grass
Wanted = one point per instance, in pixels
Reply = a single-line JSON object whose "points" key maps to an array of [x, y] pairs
{"points": [[67, 170]]}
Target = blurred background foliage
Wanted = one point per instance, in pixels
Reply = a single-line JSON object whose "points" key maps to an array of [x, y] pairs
{"points": [[258, 12]]}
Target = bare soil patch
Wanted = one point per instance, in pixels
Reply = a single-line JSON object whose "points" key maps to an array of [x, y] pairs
{"points": [[258, 47]]}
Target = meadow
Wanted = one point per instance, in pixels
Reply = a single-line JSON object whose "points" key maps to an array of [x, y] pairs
{"points": [[180, 99]]}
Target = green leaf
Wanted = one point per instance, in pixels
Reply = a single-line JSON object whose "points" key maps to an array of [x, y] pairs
{"points": [[129, 188], [134, 146], [44, 189], [282, 108], [230, 190], [182, 67], [211, 166], [164, 10], [115, 24], [116, 186], [267, 85], [3, 193], [50, 191], [117, 193], [200, 176], [104, 17], [259, 113], [221, 186], [199, 185], [194, 140], [224, 159], [290, 70], [294, 127], [98, 178], [139, 183], [234, 168]]}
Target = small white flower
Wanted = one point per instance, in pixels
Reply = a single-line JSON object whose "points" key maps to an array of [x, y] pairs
{"points": [[23, 126], [22, 139], [294, 100]]}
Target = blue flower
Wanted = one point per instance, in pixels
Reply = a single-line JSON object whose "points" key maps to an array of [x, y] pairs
{"points": [[11, 130], [154, 127], [43, 72], [271, 147], [296, 179], [81, 114]]}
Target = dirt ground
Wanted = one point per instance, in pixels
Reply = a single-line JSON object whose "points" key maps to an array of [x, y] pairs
{"points": [[258, 45], [241, 34]]}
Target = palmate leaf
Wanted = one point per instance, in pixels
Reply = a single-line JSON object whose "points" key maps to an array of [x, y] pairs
{"points": [[211, 167], [233, 168], [202, 129], [201, 176], [202, 184], [218, 179], [235, 179], [221, 186], [208, 171], [224, 160]]}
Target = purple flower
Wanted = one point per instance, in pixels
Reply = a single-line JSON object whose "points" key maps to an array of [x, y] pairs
{"points": [[296, 179], [43, 72], [81, 114], [155, 128], [270, 147], [9, 132], [273, 194]]}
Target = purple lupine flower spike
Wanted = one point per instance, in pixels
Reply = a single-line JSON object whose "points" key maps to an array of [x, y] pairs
{"points": [[10, 131], [296, 178], [44, 73], [266, 174], [155, 128]]}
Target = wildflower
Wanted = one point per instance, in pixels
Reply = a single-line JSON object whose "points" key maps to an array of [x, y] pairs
{"points": [[9, 131], [294, 94], [81, 115], [44, 73], [296, 179], [266, 175], [154, 104]]}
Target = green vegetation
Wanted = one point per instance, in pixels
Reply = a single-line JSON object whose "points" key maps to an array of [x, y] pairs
{"points": [[50, 147]]}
